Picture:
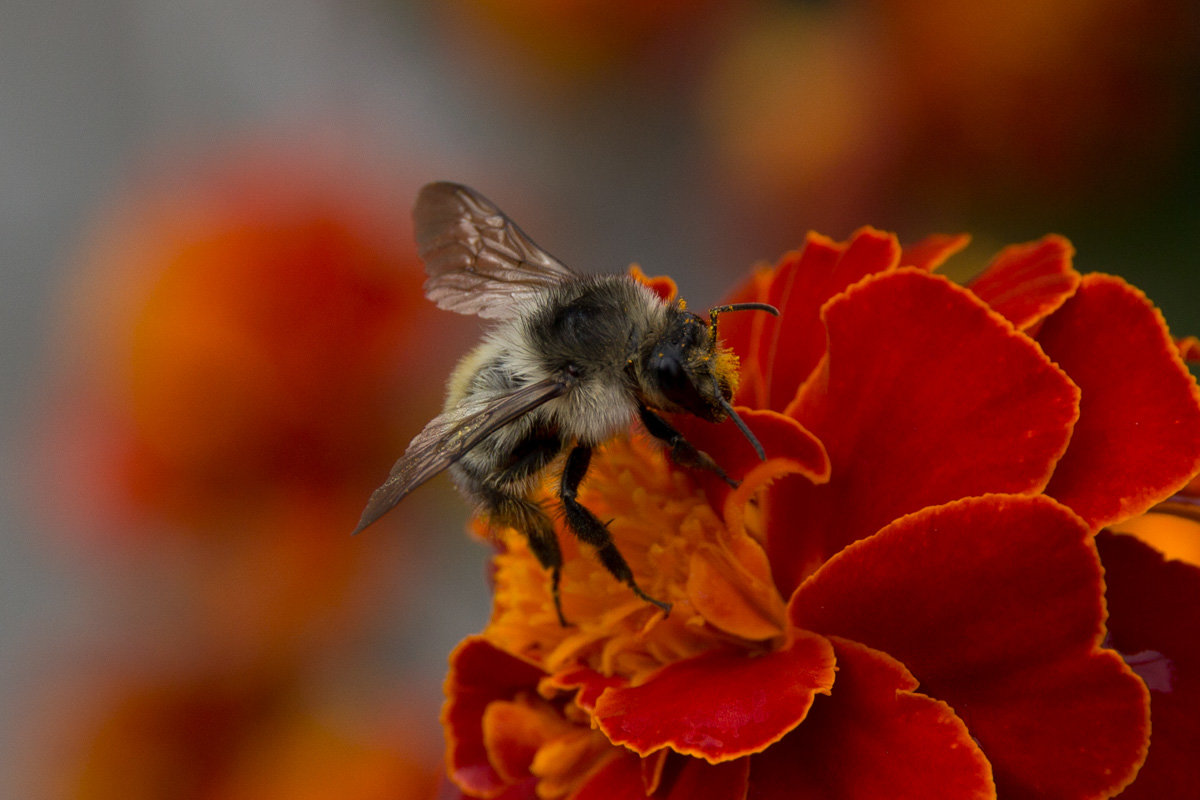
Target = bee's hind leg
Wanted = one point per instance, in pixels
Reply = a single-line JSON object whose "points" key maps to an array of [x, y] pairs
{"points": [[682, 451], [584, 524], [530, 519]]}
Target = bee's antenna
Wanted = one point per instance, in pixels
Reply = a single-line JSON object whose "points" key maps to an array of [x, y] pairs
{"points": [[744, 428], [712, 314]]}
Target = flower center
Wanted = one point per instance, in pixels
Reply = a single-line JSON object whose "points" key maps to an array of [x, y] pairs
{"points": [[680, 550]]}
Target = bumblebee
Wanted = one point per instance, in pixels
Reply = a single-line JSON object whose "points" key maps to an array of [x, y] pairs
{"points": [[571, 362]]}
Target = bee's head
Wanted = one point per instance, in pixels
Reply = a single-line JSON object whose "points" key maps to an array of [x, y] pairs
{"points": [[688, 369]]}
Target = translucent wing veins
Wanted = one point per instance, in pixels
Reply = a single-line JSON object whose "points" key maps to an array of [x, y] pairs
{"points": [[477, 259]]}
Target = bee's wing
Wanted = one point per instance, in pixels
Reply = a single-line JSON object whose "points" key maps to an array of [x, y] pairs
{"points": [[477, 259], [449, 436]]}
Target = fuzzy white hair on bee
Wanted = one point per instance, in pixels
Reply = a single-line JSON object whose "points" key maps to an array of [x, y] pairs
{"points": [[571, 361]]}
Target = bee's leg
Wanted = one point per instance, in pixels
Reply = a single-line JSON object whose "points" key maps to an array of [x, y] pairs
{"points": [[682, 451], [590, 530], [530, 519]]}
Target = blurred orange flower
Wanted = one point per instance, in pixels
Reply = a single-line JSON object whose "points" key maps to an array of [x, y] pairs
{"points": [[242, 351], [576, 40], [243, 340], [835, 111], [1028, 93], [905, 599], [216, 734]]}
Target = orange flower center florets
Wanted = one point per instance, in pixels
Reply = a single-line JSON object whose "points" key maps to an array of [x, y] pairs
{"points": [[680, 550]]}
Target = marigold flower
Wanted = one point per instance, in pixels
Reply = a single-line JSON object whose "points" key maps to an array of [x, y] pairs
{"points": [[905, 599]]}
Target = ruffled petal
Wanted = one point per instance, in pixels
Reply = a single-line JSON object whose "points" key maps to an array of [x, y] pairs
{"points": [[1189, 349], [720, 705], [743, 333], [1073, 729], [995, 604], [873, 737], [961, 404], [782, 438], [933, 251], [686, 779], [480, 674], [1138, 436], [515, 730], [1154, 619], [1028, 282], [730, 586], [525, 790], [585, 681], [662, 285], [695, 779], [619, 779], [792, 345]]}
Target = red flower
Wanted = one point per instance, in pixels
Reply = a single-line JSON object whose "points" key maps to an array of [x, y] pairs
{"points": [[905, 600]]}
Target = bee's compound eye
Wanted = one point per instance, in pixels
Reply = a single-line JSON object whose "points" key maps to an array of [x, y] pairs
{"points": [[674, 382], [668, 371]]}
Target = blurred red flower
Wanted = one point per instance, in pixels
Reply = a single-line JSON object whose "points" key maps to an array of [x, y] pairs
{"points": [[906, 599]]}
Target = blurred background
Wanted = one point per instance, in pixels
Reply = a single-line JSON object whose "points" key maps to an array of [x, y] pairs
{"points": [[214, 343]]}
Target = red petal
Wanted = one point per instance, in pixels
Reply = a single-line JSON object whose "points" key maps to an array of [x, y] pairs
{"points": [[960, 405], [1028, 282], [513, 732], [1189, 349], [1073, 729], [662, 285], [619, 779], [588, 681], [995, 604], [1138, 436], [743, 333], [526, 790], [873, 737], [653, 766], [781, 437], [793, 344], [720, 705], [699, 780], [479, 674], [1154, 604], [933, 251], [1154, 608]]}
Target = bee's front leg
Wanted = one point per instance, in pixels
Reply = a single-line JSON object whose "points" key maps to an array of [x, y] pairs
{"points": [[682, 451], [590, 530]]}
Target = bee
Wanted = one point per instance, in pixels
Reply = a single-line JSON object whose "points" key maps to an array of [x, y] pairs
{"points": [[572, 360]]}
